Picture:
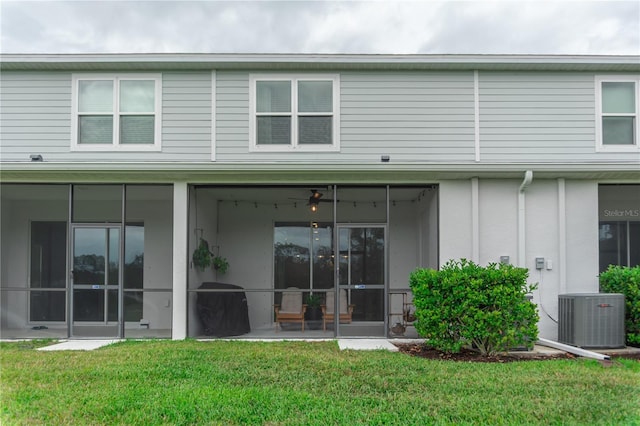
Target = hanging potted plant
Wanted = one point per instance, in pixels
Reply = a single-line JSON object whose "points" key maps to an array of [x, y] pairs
{"points": [[220, 264], [203, 257]]}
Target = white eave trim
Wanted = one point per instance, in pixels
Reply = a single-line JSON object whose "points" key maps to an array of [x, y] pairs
{"points": [[631, 166], [278, 173], [314, 61]]}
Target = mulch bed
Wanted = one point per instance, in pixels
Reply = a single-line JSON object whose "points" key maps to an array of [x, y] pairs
{"points": [[468, 355]]}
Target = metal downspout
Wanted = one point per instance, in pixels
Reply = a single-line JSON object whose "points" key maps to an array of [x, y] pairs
{"points": [[528, 177], [572, 349]]}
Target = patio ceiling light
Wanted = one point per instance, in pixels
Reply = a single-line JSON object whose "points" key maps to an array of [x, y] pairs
{"points": [[314, 200]]}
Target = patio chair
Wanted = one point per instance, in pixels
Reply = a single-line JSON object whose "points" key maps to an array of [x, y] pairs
{"points": [[346, 311], [291, 308]]}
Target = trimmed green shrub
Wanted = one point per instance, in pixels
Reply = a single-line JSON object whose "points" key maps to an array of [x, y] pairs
{"points": [[625, 280], [465, 304]]}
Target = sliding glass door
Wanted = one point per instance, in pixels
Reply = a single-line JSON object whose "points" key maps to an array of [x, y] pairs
{"points": [[96, 280], [361, 280]]}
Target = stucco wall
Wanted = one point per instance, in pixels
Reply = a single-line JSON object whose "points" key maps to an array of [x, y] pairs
{"points": [[561, 225]]}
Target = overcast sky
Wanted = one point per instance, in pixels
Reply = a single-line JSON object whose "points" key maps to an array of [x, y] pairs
{"points": [[393, 27]]}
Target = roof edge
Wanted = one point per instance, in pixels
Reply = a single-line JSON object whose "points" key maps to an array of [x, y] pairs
{"points": [[294, 61]]}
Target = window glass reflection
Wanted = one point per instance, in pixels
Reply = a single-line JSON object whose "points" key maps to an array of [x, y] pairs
{"points": [[89, 252], [303, 255]]}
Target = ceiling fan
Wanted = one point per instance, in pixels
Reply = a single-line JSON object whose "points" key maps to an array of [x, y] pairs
{"points": [[315, 199]]}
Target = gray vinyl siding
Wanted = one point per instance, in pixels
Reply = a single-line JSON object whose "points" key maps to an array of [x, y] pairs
{"points": [[232, 117], [412, 117], [186, 117], [35, 118], [537, 117], [35, 115]]}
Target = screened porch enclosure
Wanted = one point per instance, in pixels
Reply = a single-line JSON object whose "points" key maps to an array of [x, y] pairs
{"points": [[96, 260], [353, 250], [86, 261]]}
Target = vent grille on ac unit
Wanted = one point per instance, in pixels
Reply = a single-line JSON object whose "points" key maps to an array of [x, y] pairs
{"points": [[591, 320]]}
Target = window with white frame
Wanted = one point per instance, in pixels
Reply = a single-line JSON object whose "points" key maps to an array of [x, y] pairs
{"points": [[294, 112], [617, 113], [116, 112]]}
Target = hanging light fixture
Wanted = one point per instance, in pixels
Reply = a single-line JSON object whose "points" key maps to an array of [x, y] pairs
{"points": [[314, 200]]}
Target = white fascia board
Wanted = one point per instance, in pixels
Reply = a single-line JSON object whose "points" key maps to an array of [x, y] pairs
{"points": [[311, 61], [332, 58], [296, 176], [631, 169]]}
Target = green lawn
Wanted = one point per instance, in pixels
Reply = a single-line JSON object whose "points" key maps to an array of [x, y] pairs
{"points": [[293, 383]]}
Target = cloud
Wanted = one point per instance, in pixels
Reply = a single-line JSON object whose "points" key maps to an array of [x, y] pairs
{"points": [[367, 27], [567, 27], [538, 27]]}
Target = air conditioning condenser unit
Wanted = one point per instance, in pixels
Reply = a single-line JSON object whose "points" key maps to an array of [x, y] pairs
{"points": [[591, 320]]}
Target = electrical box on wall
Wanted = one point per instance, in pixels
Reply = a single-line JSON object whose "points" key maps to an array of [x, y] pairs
{"points": [[539, 262]]}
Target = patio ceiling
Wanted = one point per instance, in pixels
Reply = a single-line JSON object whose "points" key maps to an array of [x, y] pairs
{"points": [[301, 194]]}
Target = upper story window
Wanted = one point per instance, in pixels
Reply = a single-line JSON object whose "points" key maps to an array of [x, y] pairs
{"points": [[116, 112], [618, 107], [291, 113]]}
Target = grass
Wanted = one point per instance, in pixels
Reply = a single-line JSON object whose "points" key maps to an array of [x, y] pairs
{"points": [[294, 383]]}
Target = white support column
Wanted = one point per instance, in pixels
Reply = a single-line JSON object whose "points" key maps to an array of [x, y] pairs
{"points": [[180, 239]]}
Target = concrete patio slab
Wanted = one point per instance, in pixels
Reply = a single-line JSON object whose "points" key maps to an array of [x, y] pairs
{"points": [[78, 345], [366, 345]]}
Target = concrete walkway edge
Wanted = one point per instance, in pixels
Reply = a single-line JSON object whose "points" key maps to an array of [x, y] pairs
{"points": [[343, 344], [366, 345], [78, 345]]}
